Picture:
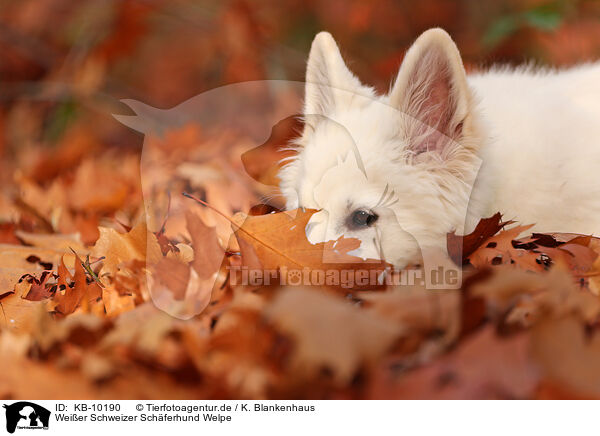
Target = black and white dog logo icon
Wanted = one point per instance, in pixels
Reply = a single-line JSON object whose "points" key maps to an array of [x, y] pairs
{"points": [[26, 415]]}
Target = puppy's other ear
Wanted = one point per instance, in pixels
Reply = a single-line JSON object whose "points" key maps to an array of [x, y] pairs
{"points": [[431, 89], [329, 83]]}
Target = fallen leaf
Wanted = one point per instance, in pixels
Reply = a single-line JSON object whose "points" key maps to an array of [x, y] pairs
{"points": [[568, 355], [208, 253], [329, 332], [279, 242], [484, 366], [137, 244], [461, 247]]}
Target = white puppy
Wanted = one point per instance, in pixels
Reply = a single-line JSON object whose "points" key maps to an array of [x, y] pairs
{"points": [[443, 150]]}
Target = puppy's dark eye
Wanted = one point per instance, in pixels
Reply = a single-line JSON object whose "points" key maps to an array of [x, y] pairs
{"points": [[362, 218]]}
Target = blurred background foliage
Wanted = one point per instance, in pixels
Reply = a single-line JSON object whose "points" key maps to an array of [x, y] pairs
{"points": [[64, 64]]}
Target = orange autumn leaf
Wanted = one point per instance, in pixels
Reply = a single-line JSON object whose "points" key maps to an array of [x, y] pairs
{"points": [[17, 313], [279, 240], [329, 332], [208, 253], [115, 247], [67, 300]]}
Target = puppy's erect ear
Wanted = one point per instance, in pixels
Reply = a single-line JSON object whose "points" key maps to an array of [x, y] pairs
{"points": [[329, 83], [431, 89]]}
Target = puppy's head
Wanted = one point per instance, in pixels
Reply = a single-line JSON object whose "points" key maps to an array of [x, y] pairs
{"points": [[394, 171]]}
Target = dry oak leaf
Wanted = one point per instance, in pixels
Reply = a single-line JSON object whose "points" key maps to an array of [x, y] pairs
{"points": [[143, 329], [14, 263], [57, 242], [17, 313], [48, 331], [39, 289], [568, 354], [576, 252], [520, 298], [86, 194], [114, 303], [208, 253], [7, 232], [13, 345], [183, 290], [461, 247], [483, 366], [172, 274], [420, 310], [499, 249], [330, 332], [244, 353], [43, 379], [137, 244], [537, 252], [65, 301], [176, 288], [594, 279], [249, 257], [279, 240]]}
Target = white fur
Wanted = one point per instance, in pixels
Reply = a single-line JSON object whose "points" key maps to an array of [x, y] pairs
{"points": [[522, 142]]}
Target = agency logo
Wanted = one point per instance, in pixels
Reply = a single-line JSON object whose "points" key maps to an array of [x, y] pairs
{"points": [[24, 415]]}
